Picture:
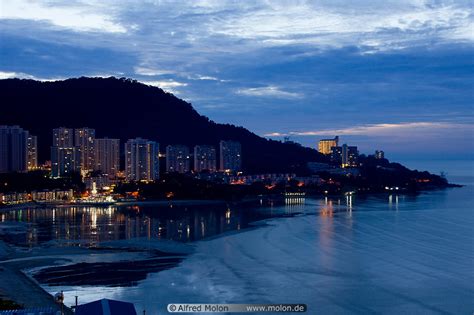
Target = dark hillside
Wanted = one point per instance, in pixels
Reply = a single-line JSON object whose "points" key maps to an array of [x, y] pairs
{"points": [[124, 108]]}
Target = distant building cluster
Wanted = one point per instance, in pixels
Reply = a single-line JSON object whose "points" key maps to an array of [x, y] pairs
{"points": [[345, 155], [37, 196], [78, 150]]}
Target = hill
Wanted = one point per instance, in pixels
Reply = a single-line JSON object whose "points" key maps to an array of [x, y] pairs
{"points": [[124, 108]]}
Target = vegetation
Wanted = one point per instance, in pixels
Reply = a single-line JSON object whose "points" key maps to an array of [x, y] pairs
{"points": [[124, 109], [37, 180], [179, 186]]}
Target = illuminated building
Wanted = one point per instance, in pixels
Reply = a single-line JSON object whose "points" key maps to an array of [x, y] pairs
{"points": [[336, 154], [84, 143], [230, 156], [13, 149], [64, 161], [325, 145], [142, 160], [63, 137], [350, 156], [65, 158], [379, 155], [204, 158], [346, 156], [177, 158], [32, 152], [107, 156]]}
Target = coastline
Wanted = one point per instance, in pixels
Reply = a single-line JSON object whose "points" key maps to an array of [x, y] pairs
{"points": [[183, 202], [203, 202], [18, 287], [17, 265]]}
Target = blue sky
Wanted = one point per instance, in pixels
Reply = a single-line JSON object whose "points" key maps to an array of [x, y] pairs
{"points": [[391, 75]]}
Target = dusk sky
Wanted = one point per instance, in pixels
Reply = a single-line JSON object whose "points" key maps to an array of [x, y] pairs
{"points": [[390, 75]]}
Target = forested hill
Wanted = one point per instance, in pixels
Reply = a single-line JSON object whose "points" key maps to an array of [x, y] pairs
{"points": [[124, 108]]}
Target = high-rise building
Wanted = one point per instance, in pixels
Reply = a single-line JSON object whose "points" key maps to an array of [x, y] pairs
{"points": [[346, 156], [336, 154], [32, 152], [63, 137], [107, 156], [350, 156], [325, 145], [142, 160], [84, 142], [64, 161], [204, 158], [379, 155], [177, 158], [13, 149], [230, 156], [65, 158]]}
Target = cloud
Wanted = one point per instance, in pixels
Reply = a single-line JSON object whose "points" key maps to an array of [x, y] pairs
{"points": [[424, 140], [268, 91], [205, 77], [75, 16], [167, 85], [21, 75], [11, 75], [393, 129], [389, 25], [339, 63], [151, 72]]}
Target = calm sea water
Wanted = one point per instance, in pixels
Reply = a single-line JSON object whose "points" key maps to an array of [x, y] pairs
{"points": [[380, 254], [456, 171]]}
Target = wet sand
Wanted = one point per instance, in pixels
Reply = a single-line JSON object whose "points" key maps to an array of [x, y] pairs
{"points": [[113, 274], [16, 286], [23, 269]]}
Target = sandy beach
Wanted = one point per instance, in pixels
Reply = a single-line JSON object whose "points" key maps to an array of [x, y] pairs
{"points": [[18, 265], [18, 287]]}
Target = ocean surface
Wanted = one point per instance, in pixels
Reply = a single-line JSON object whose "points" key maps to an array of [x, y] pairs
{"points": [[456, 171], [390, 254]]}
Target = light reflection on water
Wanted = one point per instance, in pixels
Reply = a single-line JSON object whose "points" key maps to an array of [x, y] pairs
{"points": [[355, 254], [87, 226]]}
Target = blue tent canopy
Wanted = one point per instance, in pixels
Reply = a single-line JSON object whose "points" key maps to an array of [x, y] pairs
{"points": [[106, 307]]}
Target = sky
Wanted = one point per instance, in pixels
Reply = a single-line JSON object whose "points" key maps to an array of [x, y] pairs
{"points": [[390, 75]]}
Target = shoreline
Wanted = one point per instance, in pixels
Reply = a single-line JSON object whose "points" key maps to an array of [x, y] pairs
{"points": [[203, 202], [17, 266], [181, 202], [17, 286]]}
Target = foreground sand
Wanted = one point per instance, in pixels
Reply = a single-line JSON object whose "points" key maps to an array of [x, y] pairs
{"points": [[16, 283], [16, 286]]}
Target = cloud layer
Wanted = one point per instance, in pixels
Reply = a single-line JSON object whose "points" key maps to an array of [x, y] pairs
{"points": [[303, 68]]}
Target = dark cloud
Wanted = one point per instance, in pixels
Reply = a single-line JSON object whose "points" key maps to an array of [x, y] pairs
{"points": [[275, 67]]}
